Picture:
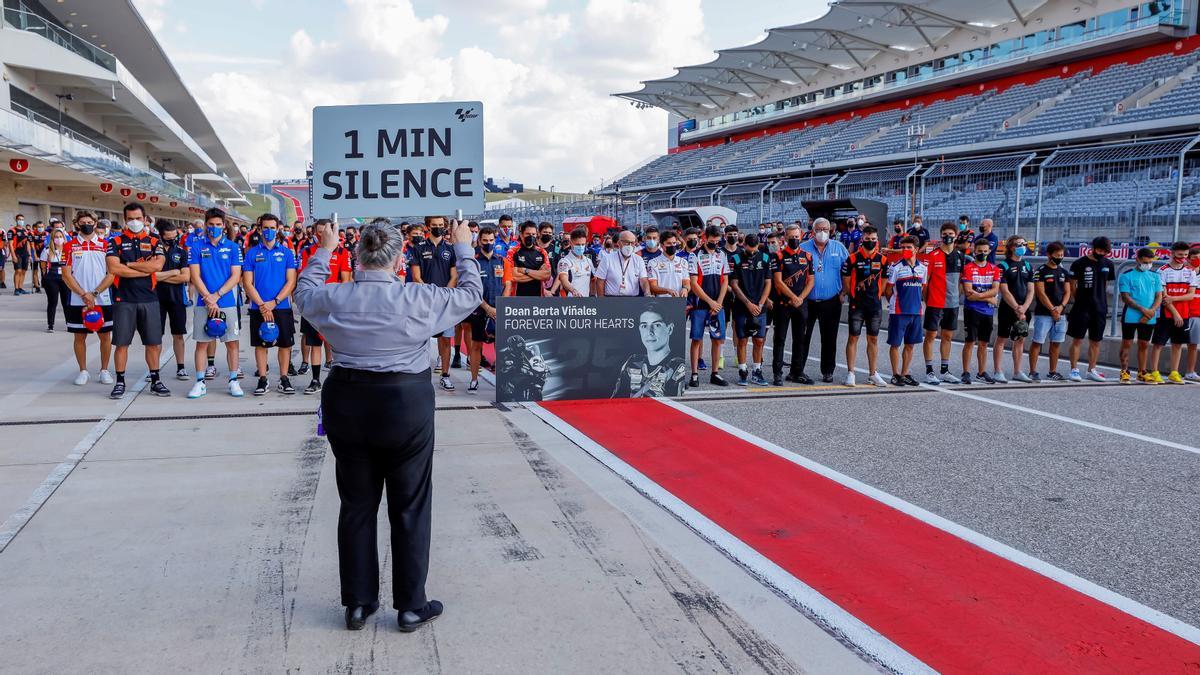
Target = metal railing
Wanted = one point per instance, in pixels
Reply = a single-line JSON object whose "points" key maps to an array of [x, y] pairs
{"points": [[32, 23]]}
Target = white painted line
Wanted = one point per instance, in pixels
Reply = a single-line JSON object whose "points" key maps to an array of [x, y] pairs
{"points": [[16, 522], [1091, 589], [834, 618]]}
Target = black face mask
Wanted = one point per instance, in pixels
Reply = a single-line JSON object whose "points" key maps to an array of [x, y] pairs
{"points": [[980, 257], [710, 245], [527, 240], [898, 229], [87, 229], [670, 249], [436, 232], [418, 239], [692, 243], [486, 248], [1057, 260], [546, 238], [793, 243], [868, 245], [732, 241], [949, 238]]}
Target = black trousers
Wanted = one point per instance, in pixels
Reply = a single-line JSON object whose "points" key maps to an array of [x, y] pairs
{"points": [[827, 314], [795, 318], [380, 426], [56, 293]]}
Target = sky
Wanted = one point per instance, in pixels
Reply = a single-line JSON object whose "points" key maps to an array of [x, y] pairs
{"points": [[544, 69]]}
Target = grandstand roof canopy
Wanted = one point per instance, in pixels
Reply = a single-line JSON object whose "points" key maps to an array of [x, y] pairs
{"points": [[848, 37]]}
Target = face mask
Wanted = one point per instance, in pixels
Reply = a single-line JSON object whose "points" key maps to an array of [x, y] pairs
{"points": [[917, 225], [135, 226], [474, 237], [898, 229], [627, 250], [773, 248], [58, 241], [948, 239], [962, 226], [436, 232], [1100, 256], [793, 243], [670, 249], [1021, 250], [527, 240], [692, 243], [651, 244], [579, 249], [907, 254], [732, 241], [268, 235], [980, 257], [215, 231], [418, 239], [710, 245], [1057, 260], [861, 223], [1145, 267], [821, 237], [87, 228], [487, 248], [545, 238], [20, 223], [868, 246]]}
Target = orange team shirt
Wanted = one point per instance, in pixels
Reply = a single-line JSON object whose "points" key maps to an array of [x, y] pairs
{"points": [[339, 261]]}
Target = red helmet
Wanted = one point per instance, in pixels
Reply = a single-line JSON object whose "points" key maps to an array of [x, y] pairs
{"points": [[93, 319]]}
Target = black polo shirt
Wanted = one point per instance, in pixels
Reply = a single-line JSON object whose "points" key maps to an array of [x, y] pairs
{"points": [[435, 262], [130, 248], [1017, 275], [534, 258], [175, 257], [1092, 289], [794, 266], [1054, 283], [752, 271]]}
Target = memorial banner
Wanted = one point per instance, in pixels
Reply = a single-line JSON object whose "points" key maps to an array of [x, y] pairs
{"points": [[580, 348]]}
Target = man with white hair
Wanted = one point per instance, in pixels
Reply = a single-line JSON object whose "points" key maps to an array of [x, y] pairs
{"points": [[825, 302], [623, 274]]}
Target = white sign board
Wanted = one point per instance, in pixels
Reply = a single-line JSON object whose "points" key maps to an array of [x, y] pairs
{"points": [[410, 159]]}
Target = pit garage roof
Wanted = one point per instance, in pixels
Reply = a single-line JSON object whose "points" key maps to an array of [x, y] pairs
{"points": [[851, 35]]}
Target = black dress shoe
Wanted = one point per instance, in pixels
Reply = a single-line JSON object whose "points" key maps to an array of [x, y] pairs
{"points": [[356, 617], [415, 618]]}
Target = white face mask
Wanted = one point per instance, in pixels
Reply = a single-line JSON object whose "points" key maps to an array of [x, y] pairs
{"points": [[821, 237], [627, 250], [135, 226], [1145, 267]]}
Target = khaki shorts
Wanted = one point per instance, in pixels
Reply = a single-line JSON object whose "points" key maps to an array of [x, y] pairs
{"points": [[200, 317]]}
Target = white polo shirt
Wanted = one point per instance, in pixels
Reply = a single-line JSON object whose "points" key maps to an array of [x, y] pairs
{"points": [[622, 276], [668, 273]]}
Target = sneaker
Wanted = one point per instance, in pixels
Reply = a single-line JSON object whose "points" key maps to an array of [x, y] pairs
{"points": [[1175, 378], [877, 380], [850, 380], [930, 378], [313, 387], [827, 378], [1074, 376], [49, 329], [210, 373], [703, 365], [716, 379], [1157, 377], [694, 382], [456, 362], [757, 379], [159, 389], [1022, 377], [260, 389], [1035, 377], [182, 374], [908, 379], [446, 383], [291, 370], [1095, 376], [118, 391], [473, 387], [106, 377], [1192, 377], [285, 386], [82, 378], [999, 378], [985, 377], [1126, 378], [777, 380], [303, 369], [1056, 377], [966, 378], [799, 379], [949, 378], [897, 381], [235, 389], [147, 378], [743, 377], [240, 374], [199, 389]]}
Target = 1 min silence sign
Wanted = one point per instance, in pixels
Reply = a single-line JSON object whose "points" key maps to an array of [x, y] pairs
{"points": [[398, 159]]}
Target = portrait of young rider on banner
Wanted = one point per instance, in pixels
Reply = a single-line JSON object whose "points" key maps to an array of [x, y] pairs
{"points": [[658, 372]]}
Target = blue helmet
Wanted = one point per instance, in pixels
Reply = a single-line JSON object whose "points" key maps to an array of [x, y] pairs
{"points": [[268, 331], [714, 326], [215, 327]]}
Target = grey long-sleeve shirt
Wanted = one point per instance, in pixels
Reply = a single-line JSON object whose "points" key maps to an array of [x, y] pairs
{"points": [[378, 323]]}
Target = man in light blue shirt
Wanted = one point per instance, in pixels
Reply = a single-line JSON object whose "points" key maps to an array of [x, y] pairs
{"points": [[216, 265], [825, 301]]}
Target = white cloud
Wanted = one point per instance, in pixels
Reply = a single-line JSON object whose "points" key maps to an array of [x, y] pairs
{"points": [[153, 13], [546, 83]]}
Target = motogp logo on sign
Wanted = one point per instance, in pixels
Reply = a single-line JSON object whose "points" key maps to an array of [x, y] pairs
{"points": [[465, 114]]}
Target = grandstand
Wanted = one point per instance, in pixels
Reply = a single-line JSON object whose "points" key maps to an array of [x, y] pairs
{"points": [[1058, 118]]}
